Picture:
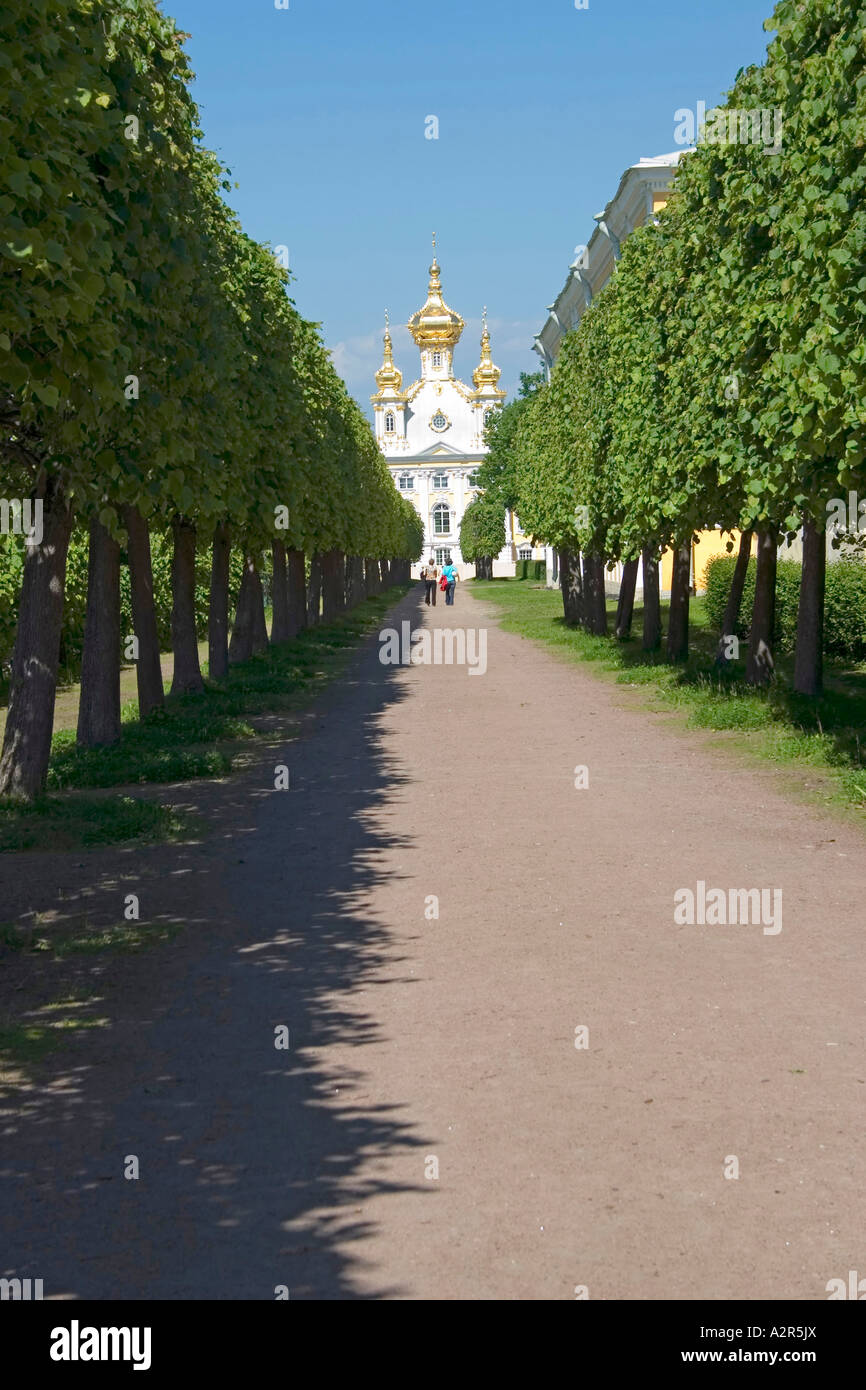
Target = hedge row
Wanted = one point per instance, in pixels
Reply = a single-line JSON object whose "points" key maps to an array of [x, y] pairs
{"points": [[844, 609]]}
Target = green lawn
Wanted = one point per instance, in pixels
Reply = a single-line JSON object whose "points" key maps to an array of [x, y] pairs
{"points": [[823, 739]]}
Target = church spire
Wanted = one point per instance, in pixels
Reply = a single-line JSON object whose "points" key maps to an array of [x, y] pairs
{"points": [[486, 373], [388, 376]]}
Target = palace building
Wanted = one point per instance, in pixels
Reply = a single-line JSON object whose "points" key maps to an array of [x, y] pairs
{"points": [[432, 433]]}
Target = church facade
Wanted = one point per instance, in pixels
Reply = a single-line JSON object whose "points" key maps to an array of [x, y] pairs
{"points": [[432, 433]]}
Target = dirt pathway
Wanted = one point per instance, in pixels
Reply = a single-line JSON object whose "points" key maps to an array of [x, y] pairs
{"points": [[418, 1042]]}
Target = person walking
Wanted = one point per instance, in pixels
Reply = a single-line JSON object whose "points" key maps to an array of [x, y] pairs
{"points": [[452, 578], [430, 575]]}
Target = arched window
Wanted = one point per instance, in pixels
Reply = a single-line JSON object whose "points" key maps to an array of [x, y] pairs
{"points": [[389, 422], [441, 519], [437, 360], [488, 415]]}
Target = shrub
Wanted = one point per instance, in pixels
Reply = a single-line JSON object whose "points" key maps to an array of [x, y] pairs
{"points": [[75, 594], [844, 611], [529, 569]]}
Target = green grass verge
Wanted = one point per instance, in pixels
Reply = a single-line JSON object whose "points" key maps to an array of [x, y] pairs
{"points": [[826, 735], [193, 736], [58, 823]]}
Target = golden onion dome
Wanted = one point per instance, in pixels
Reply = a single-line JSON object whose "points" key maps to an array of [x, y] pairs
{"points": [[436, 326]]}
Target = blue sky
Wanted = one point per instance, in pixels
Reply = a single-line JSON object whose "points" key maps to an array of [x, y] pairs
{"points": [[319, 110]]}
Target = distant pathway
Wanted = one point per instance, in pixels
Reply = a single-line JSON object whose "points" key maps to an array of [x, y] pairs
{"points": [[420, 1044]]}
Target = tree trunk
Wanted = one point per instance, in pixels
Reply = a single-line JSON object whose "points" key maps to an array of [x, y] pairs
{"points": [[218, 609], [678, 616], [731, 619], [257, 608], [386, 574], [33, 685], [652, 608], [148, 668], [333, 585], [759, 663], [595, 603], [809, 655], [625, 604], [355, 587], [241, 645], [296, 581], [280, 625], [184, 640], [99, 700], [571, 587], [314, 592]]}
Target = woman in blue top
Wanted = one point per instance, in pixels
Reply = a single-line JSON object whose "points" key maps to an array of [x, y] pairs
{"points": [[451, 578]]}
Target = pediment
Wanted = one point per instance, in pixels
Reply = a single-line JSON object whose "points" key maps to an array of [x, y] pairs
{"points": [[441, 450]]}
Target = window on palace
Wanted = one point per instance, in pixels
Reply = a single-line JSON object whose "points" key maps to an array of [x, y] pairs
{"points": [[437, 360], [443, 556], [440, 482], [389, 423], [488, 416], [473, 480], [406, 482], [439, 421], [525, 552], [441, 519]]}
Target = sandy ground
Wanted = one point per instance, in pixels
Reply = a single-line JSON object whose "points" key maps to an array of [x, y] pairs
{"points": [[433, 1131]]}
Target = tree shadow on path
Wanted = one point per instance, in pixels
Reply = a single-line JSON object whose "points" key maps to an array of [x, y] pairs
{"points": [[255, 1163]]}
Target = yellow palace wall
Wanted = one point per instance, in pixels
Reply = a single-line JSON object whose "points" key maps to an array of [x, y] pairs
{"points": [[706, 547]]}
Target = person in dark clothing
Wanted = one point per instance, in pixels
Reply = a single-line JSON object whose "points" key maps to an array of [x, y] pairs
{"points": [[430, 575]]}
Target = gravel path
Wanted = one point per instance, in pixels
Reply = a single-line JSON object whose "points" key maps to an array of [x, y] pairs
{"points": [[423, 1044]]}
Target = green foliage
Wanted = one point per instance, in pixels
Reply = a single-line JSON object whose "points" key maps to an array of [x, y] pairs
{"points": [[75, 600], [56, 824], [482, 530], [530, 569], [719, 379], [498, 473], [844, 609]]}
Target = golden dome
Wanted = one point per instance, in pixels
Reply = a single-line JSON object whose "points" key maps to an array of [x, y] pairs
{"points": [[486, 373], [436, 325], [388, 375]]}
